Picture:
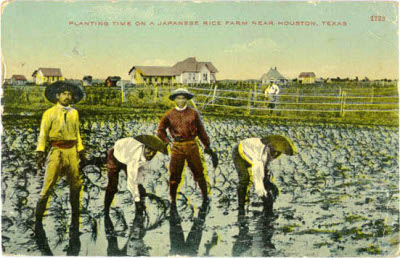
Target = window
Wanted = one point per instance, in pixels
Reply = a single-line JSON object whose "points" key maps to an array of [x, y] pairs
{"points": [[205, 77]]}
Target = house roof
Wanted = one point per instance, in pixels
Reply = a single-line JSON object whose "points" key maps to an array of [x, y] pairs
{"points": [[272, 74], [49, 72], [113, 78], [18, 77], [191, 65], [188, 65], [306, 74], [156, 70]]}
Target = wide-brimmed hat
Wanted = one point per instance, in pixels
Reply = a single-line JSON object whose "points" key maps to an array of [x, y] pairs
{"points": [[280, 143], [60, 86], [153, 142], [181, 91]]}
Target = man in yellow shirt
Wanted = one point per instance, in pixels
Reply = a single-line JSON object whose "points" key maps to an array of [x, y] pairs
{"points": [[60, 127]]}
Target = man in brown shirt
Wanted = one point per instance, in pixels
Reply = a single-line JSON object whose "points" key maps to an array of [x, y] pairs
{"points": [[184, 125]]}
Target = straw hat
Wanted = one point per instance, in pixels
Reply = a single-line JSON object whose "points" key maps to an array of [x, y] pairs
{"points": [[280, 143], [60, 86], [152, 142], [181, 91]]}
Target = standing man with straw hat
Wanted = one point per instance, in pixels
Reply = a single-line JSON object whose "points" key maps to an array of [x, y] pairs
{"points": [[60, 127], [251, 158], [130, 154], [271, 95], [184, 125]]}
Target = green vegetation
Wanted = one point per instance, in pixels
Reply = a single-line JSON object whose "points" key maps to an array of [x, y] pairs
{"points": [[350, 102], [289, 228], [354, 217], [371, 249]]}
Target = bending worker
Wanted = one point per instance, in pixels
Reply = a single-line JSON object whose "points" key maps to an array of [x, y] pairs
{"points": [[251, 157], [131, 155], [184, 125]]}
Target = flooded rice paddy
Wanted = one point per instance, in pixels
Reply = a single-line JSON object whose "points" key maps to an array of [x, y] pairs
{"points": [[338, 197]]}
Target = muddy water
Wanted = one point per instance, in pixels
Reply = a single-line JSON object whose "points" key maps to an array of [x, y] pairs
{"points": [[338, 197]]}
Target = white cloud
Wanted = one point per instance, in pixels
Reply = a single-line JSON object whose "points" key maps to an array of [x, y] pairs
{"points": [[254, 45], [115, 11], [156, 62]]}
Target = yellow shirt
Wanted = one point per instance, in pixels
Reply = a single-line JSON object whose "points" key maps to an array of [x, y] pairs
{"points": [[59, 124]]}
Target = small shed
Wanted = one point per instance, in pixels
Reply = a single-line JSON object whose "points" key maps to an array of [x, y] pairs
{"points": [[307, 77], [111, 81], [87, 80], [273, 76], [18, 79]]}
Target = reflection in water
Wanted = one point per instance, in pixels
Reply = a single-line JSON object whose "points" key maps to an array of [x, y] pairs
{"points": [[135, 245], [42, 242], [258, 241], [178, 244]]}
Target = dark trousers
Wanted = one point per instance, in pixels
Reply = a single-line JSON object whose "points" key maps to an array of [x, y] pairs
{"points": [[186, 151], [242, 167], [113, 169]]}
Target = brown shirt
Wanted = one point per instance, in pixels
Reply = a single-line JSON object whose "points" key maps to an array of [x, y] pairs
{"points": [[182, 125]]}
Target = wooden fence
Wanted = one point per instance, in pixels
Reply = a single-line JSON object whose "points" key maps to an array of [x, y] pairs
{"points": [[253, 100]]}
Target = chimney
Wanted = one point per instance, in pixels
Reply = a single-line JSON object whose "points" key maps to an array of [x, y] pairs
{"points": [[275, 67]]}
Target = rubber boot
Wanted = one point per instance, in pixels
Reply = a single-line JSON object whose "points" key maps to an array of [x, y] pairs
{"points": [[242, 192], [173, 189], [75, 206], [107, 202], [40, 209], [204, 191]]}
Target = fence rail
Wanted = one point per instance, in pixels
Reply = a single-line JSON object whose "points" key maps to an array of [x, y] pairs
{"points": [[339, 101]]}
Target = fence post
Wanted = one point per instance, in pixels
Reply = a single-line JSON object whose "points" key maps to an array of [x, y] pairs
{"points": [[342, 111], [298, 95], [26, 94], [155, 94], [251, 97], [122, 93], [340, 93], [372, 94], [215, 92], [249, 101]]}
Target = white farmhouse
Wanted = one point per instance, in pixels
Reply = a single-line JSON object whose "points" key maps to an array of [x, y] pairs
{"points": [[184, 72]]}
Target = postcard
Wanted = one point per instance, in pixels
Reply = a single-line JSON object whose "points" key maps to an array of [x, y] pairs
{"points": [[200, 128]]}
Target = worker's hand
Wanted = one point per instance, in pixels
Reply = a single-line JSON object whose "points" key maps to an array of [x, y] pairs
{"points": [[40, 159], [260, 191], [169, 146], [82, 158], [214, 156], [271, 194]]}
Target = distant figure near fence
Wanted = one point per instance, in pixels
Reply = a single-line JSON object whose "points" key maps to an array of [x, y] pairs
{"points": [[271, 95]]}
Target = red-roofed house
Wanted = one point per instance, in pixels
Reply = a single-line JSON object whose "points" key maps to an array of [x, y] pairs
{"points": [[47, 75], [307, 77], [186, 71], [17, 79]]}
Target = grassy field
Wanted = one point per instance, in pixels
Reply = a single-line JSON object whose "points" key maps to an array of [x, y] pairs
{"points": [[355, 103]]}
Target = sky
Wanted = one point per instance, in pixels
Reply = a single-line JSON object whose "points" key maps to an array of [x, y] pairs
{"points": [[47, 34]]}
